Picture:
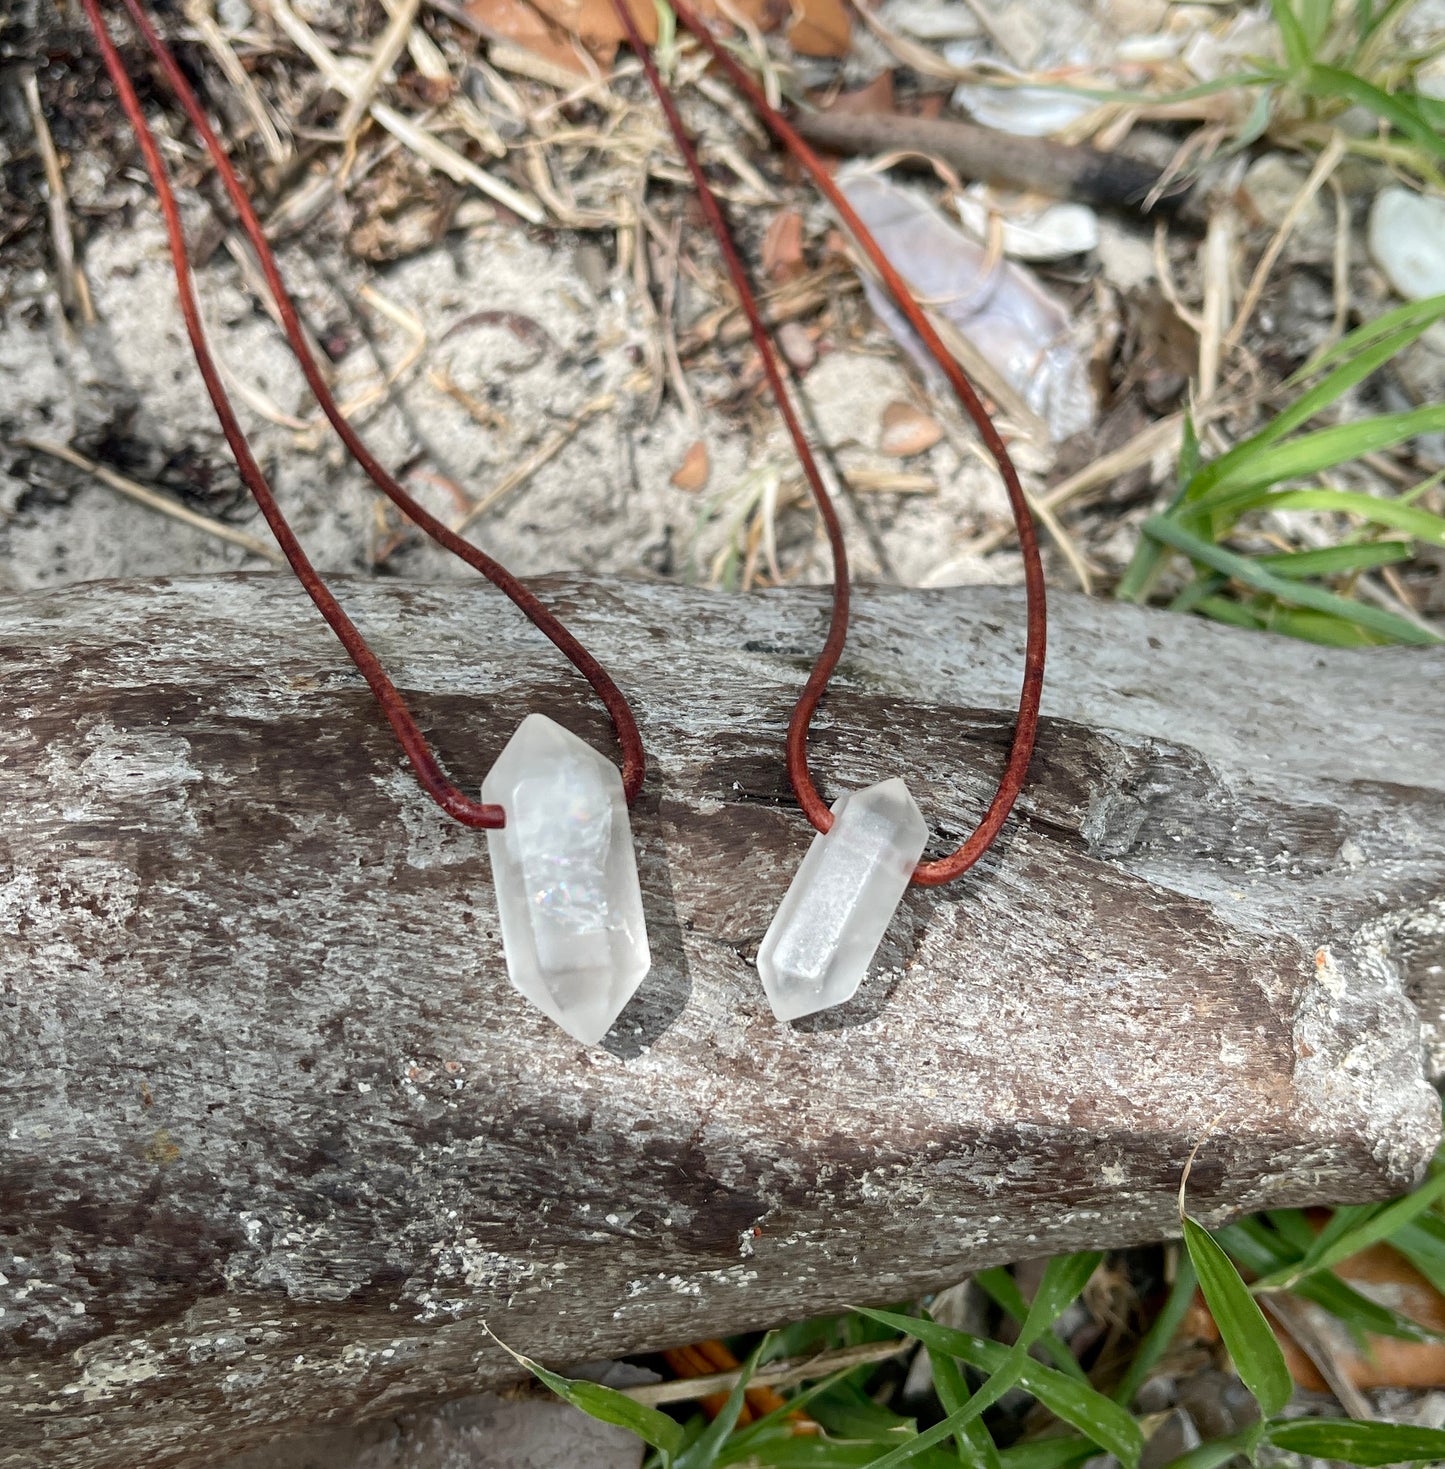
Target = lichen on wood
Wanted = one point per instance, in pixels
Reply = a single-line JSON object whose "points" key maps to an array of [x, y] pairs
{"points": [[277, 1137]]}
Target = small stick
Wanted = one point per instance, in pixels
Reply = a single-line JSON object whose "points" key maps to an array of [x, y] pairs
{"points": [[774, 1374], [391, 45], [1067, 171], [71, 282], [152, 499]]}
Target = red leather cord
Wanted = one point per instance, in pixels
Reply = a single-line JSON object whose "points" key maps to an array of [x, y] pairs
{"points": [[428, 772], [927, 874]]}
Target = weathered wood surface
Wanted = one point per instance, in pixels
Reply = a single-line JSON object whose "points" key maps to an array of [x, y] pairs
{"points": [[276, 1136]]}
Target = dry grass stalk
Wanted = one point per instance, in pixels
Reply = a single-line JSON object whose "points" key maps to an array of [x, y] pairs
{"points": [[1324, 168], [522, 472], [430, 149], [383, 58], [1219, 240], [1157, 438], [771, 1374], [69, 278], [153, 500], [269, 128]]}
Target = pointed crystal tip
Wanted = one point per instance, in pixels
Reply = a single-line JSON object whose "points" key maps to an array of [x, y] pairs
{"points": [[840, 903], [565, 874]]}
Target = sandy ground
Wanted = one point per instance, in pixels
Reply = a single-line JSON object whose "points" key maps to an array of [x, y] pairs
{"points": [[603, 503]]}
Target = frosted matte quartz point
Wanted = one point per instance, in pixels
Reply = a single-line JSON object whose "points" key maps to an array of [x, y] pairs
{"points": [[566, 878], [842, 900]]}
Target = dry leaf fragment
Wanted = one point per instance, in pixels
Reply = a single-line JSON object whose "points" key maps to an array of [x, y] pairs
{"points": [[906, 431], [820, 28], [518, 22], [595, 23], [692, 473], [783, 246]]}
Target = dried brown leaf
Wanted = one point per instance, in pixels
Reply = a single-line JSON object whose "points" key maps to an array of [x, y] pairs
{"points": [[692, 473], [821, 28], [783, 246]]}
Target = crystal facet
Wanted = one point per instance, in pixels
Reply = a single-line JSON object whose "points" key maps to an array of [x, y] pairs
{"points": [[566, 878], [842, 900]]}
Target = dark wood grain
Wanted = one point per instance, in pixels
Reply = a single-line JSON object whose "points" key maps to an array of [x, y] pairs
{"points": [[276, 1137]]}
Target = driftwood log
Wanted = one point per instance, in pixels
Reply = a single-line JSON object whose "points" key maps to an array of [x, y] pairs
{"points": [[276, 1137]]}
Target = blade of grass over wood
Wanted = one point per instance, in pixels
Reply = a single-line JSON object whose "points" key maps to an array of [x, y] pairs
{"points": [[1103, 1421], [1161, 1332], [1246, 1334], [1312, 627], [1380, 1225], [607, 1405], [1360, 1442], [1242, 569], [1235, 614]]}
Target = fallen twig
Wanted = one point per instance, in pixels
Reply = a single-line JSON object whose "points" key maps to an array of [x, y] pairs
{"points": [[1067, 171], [152, 499]]}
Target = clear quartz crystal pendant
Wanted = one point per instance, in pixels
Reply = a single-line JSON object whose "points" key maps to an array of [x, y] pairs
{"points": [[839, 906], [566, 878]]}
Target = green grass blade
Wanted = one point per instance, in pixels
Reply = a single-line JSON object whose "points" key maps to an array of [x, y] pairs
{"points": [[1048, 1453], [1236, 614], [607, 1405], [703, 1453], [1246, 1334], [1413, 318], [1065, 1277], [1103, 1421], [1359, 1442], [1303, 594], [1337, 560], [975, 1442], [1422, 524], [1161, 1332], [742, 1440], [1308, 454], [1315, 627], [1380, 1225], [1297, 49], [1369, 357], [1358, 1312], [1219, 1451], [1002, 1289], [1331, 81], [784, 1450]]}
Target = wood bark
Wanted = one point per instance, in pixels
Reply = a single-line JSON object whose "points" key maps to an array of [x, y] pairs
{"points": [[277, 1137]]}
